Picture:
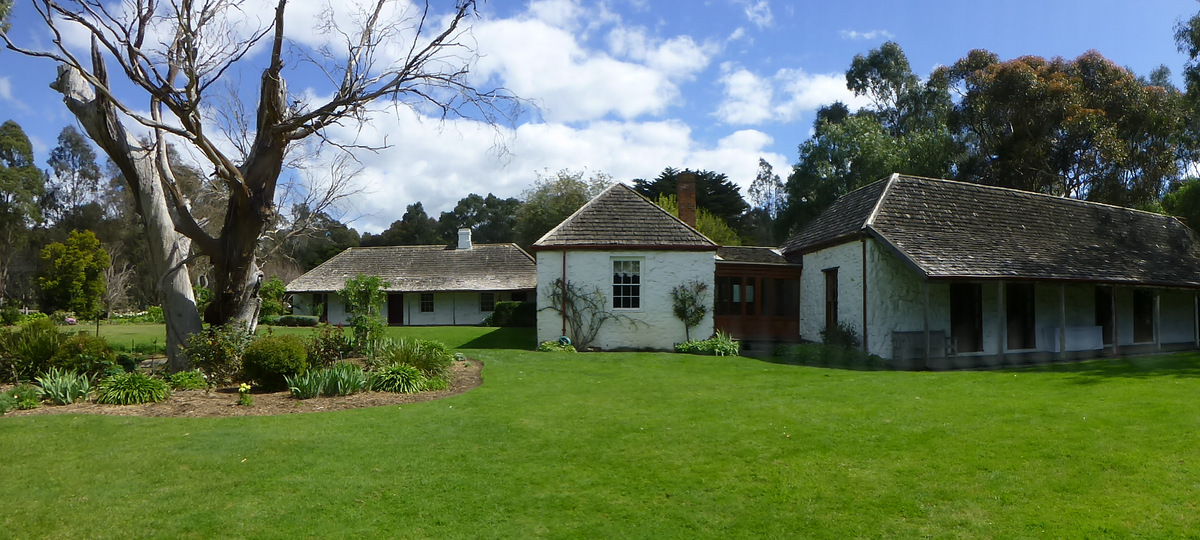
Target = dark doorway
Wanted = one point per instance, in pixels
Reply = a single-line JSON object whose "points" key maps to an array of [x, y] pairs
{"points": [[1018, 300], [1104, 313], [1143, 316], [966, 316], [395, 305], [831, 299]]}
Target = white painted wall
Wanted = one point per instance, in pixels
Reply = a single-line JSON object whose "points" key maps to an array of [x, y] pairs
{"points": [[896, 302], [457, 308], [653, 326]]}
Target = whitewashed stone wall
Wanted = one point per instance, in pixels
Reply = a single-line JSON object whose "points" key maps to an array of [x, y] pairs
{"points": [[653, 326], [458, 308], [847, 258]]}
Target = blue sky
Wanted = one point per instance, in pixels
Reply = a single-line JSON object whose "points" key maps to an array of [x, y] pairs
{"points": [[628, 87]]}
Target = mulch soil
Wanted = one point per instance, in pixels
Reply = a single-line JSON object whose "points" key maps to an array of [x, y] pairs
{"points": [[223, 401]]}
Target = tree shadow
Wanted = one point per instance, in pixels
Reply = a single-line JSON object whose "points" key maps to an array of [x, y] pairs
{"points": [[1183, 365], [505, 338]]}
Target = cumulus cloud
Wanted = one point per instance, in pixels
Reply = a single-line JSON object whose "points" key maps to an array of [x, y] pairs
{"points": [[871, 35], [679, 57], [752, 99], [6, 89]]}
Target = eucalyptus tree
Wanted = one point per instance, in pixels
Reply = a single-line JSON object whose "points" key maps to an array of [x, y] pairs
{"points": [[179, 77]]}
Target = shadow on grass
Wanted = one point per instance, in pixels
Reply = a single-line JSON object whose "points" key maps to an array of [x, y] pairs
{"points": [[505, 338], [1184, 364]]}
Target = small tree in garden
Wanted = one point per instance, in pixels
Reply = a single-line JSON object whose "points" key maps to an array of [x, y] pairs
{"points": [[690, 306], [74, 275], [364, 298]]}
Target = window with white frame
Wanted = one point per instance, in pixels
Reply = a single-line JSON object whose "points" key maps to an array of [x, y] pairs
{"points": [[487, 302], [426, 302], [627, 284]]}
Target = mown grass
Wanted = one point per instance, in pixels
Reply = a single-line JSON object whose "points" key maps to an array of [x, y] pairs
{"points": [[646, 445]]}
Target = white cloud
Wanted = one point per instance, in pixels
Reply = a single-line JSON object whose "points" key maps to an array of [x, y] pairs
{"points": [[872, 35], [6, 89], [752, 99], [572, 83], [679, 57], [758, 12], [737, 34]]}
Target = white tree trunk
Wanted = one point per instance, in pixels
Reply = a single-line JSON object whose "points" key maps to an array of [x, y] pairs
{"points": [[168, 248]]}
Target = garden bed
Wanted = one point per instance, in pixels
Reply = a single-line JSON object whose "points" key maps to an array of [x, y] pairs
{"points": [[223, 401]]}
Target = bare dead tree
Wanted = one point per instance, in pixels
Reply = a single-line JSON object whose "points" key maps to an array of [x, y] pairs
{"points": [[176, 53]]}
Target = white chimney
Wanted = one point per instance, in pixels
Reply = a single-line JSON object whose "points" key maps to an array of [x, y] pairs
{"points": [[464, 238]]}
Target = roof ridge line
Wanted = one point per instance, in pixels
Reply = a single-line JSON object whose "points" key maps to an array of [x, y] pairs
{"points": [[1034, 193], [879, 202]]}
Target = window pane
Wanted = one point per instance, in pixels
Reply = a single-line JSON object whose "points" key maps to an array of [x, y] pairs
{"points": [[626, 290]]}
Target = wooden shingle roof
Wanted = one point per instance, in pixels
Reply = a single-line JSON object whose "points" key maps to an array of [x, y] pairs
{"points": [[751, 254], [484, 267], [620, 218], [947, 229]]}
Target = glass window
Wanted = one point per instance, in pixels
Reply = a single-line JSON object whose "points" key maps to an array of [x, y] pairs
{"points": [[627, 284], [487, 302], [427, 302]]}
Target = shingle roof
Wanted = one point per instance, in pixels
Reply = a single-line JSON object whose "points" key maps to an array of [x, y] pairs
{"points": [[952, 229], [621, 218], [844, 218], [484, 267], [751, 254]]}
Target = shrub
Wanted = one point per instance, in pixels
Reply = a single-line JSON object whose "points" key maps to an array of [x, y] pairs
{"points": [[61, 317], [433, 358], [522, 314], [30, 348], [7, 403], [188, 380], [268, 360], [64, 386], [152, 315], [10, 315], [306, 385], [131, 389], [298, 320], [85, 354], [821, 355], [719, 344], [217, 352], [398, 378], [25, 396], [556, 346], [843, 335], [268, 320], [329, 346], [344, 379], [128, 362]]}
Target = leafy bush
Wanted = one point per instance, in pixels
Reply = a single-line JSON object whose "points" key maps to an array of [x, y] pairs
{"points": [[217, 351], [29, 349], [129, 362], [131, 389], [7, 403], [64, 386], [85, 354], [844, 336], [719, 344], [268, 320], [305, 385], [298, 320], [268, 360], [188, 380], [61, 317], [555, 346], [329, 346], [398, 378], [152, 315], [25, 396], [520, 314], [433, 358], [36, 315], [821, 355], [10, 315], [272, 292]]}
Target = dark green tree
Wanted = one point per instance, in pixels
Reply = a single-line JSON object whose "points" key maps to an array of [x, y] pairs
{"points": [[74, 276], [1183, 202], [553, 198], [414, 228], [21, 188], [491, 219], [715, 192]]}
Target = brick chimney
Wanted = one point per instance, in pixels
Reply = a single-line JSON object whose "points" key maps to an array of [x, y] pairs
{"points": [[686, 195], [464, 238]]}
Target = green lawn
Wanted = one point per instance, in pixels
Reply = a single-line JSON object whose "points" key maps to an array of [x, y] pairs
{"points": [[644, 445]]}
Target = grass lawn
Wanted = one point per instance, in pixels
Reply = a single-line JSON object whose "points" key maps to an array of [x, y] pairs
{"points": [[646, 445]]}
